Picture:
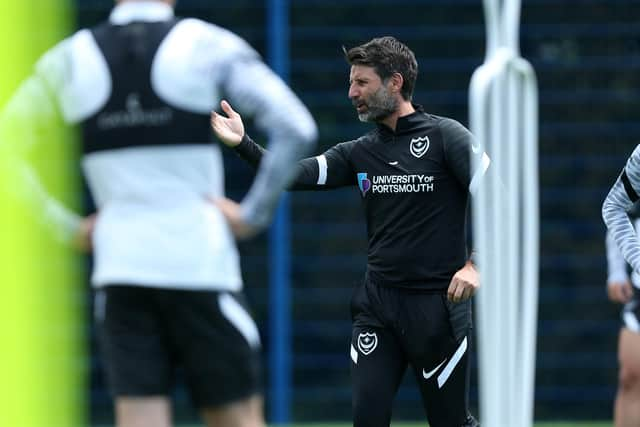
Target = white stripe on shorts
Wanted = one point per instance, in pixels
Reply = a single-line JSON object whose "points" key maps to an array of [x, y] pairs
{"points": [[322, 169], [238, 316], [630, 321], [100, 305], [446, 372], [354, 355]]}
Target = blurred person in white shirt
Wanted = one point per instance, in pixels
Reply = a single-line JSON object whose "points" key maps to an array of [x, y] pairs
{"points": [[141, 86]]}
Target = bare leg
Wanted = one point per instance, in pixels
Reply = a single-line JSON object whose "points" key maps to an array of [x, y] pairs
{"points": [[627, 406], [244, 413], [143, 411]]}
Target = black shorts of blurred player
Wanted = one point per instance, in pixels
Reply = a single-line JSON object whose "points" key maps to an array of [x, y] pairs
{"points": [[145, 334], [394, 328]]}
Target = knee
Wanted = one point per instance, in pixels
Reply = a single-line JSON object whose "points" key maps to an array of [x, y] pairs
{"points": [[629, 378]]}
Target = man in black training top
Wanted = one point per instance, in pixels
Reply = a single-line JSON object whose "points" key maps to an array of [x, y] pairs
{"points": [[414, 174]]}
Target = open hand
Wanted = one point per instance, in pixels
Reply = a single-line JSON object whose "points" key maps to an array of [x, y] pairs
{"points": [[230, 129]]}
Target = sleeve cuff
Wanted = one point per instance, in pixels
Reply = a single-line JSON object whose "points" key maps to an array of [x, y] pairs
{"points": [[245, 143], [617, 277]]}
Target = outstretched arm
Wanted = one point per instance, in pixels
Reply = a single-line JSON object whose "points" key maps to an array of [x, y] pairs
{"points": [[291, 131], [229, 129], [324, 172]]}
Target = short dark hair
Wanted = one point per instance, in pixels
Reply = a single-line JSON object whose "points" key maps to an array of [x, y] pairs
{"points": [[387, 56]]}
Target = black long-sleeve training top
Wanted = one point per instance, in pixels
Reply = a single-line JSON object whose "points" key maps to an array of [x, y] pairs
{"points": [[414, 183]]}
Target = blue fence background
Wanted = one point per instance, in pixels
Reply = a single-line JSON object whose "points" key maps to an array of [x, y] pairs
{"points": [[587, 57]]}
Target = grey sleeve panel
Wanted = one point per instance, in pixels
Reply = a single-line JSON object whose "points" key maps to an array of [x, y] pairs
{"points": [[255, 90], [616, 205]]}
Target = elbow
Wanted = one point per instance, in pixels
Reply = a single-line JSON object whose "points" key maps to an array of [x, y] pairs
{"points": [[611, 209], [307, 131], [304, 133]]}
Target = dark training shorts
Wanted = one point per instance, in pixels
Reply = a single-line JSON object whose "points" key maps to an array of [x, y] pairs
{"points": [[146, 333], [395, 328]]}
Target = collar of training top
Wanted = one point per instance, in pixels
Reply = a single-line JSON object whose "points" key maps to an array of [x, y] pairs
{"points": [[406, 122], [145, 11]]}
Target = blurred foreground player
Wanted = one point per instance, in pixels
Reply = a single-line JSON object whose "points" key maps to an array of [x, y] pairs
{"points": [[167, 274]]}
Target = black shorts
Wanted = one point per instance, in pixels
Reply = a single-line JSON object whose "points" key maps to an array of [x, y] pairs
{"points": [[146, 334], [631, 313], [396, 328]]}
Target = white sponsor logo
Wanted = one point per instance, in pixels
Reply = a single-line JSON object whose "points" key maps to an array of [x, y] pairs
{"points": [[393, 163], [419, 146], [432, 372], [367, 342], [414, 183], [134, 115]]}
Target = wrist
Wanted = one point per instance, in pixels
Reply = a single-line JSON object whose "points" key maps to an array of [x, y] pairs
{"points": [[244, 141]]}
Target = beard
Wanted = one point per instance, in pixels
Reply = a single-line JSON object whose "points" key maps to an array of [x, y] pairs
{"points": [[380, 105]]}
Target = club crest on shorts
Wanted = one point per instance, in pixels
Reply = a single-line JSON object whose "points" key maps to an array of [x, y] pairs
{"points": [[367, 342], [419, 146]]}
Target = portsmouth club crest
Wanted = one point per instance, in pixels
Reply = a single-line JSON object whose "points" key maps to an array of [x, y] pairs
{"points": [[364, 183], [419, 146], [367, 342]]}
